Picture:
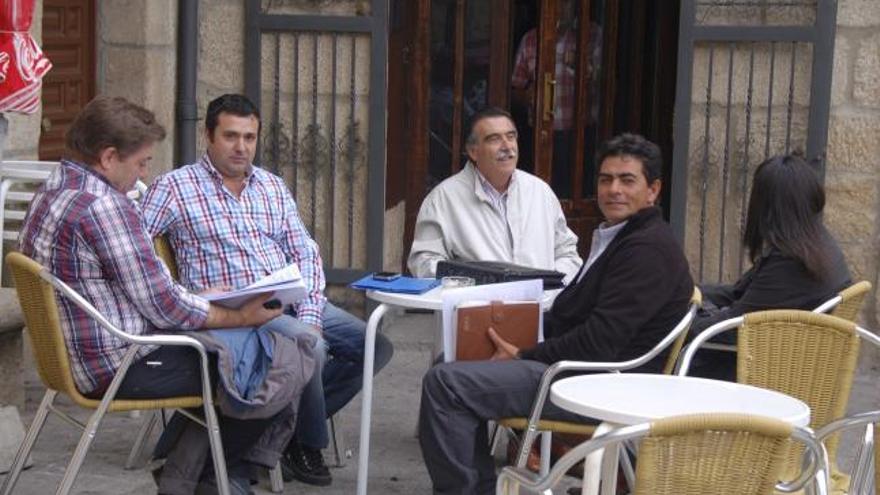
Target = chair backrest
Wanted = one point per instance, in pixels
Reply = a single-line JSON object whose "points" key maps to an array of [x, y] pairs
{"points": [[809, 356], [37, 299], [675, 348], [166, 254], [696, 454], [851, 300], [14, 203], [712, 454]]}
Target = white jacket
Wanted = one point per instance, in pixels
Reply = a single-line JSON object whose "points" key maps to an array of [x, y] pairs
{"points": [[457, 221]]}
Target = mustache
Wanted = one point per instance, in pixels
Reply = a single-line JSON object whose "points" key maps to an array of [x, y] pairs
{"points": [[505, 155]]}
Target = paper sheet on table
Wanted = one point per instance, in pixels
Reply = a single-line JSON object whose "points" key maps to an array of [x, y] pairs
{"points": [[286, 284], [525, 290]]}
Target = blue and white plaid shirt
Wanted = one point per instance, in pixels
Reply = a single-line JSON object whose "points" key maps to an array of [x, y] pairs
{"points": [[223, 240]]}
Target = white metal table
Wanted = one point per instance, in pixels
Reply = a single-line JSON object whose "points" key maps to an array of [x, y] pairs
{"points": [[431, 300], [632, 398]]}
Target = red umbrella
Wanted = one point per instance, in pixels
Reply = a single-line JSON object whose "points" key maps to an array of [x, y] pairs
{"points": [[22, 63]]}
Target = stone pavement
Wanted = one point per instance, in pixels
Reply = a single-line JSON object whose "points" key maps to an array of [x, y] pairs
{"points": [[396, 465]]}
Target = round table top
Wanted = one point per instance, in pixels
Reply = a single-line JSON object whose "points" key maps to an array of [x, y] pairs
{"points": [[631, 398], [433, 299]]}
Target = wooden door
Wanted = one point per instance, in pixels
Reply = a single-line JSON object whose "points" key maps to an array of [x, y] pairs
{"points": [[556, 80], [599, 68], [69, 42]]}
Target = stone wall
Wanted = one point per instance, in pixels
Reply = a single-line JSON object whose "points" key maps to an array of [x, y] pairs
{"points": [[137, 58], [853, 174]]}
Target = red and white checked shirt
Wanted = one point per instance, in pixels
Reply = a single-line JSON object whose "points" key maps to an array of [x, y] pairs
{"points": [[224, 240], [524, 74], [92, 237]]}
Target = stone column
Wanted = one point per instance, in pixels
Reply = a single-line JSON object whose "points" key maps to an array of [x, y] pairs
{"points": [[11, 388]]}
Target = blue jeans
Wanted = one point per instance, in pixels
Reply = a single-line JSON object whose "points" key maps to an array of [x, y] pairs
{"points": [[341, 376]]}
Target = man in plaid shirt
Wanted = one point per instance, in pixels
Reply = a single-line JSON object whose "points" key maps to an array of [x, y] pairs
{"points": [[231, 223], [83, 228], [525, 76]]}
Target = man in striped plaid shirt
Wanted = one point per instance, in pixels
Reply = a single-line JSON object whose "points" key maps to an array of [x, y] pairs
{"points": [[230, 224]]}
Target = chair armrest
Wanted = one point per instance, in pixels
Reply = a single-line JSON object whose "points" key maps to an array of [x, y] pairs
{"points": [[701, 340], [85, 305], [828, 305]]}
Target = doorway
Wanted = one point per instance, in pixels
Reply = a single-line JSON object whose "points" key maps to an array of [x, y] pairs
{"points": [[69, 42], [571, 72]]}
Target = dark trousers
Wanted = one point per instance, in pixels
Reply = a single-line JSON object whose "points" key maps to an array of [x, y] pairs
{"points": [[457, 400], [175, 371]]}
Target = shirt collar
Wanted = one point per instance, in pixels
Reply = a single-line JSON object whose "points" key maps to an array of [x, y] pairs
{"points": [[487, 186], [83, 168], [606, 230], [209, 167]]}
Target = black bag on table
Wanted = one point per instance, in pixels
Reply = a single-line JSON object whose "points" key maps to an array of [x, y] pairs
{"points": [[493, 272]]}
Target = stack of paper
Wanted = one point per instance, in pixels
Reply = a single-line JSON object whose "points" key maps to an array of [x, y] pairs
{"points": [[286, 285]]}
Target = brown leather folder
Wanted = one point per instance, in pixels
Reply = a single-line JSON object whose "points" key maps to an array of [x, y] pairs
{"points": [[515, 321]]}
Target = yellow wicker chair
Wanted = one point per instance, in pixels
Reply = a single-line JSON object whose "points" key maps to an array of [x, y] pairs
{"points": [[869, 423], [166, 254], [809, 356], [850, 303], [36, 289], [673, 341], [721, 454]]}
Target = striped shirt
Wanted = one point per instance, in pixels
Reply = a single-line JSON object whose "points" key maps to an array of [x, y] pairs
{"points": [[223, 240], [525, 74], [92, 237]]}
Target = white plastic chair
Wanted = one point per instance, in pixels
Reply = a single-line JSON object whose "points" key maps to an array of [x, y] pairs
{"points": [[14, 172]]}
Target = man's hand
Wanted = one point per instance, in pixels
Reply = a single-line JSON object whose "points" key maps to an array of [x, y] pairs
{"points": [[215, 290], [503, 349], [255, 313], [252, 314]]}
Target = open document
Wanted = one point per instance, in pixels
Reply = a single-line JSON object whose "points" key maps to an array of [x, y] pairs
{"points": [[286, 285]]}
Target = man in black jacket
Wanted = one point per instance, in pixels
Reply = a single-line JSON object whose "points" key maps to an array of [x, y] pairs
{"points": [[631, 291]]}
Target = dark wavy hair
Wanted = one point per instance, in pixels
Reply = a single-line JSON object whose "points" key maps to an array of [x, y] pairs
{"points": [[231, 103], [635, 146], [785, 213]]}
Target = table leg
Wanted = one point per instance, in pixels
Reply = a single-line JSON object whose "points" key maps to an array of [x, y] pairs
{"points": [[609, 469], [367, 396], [593, 464]]}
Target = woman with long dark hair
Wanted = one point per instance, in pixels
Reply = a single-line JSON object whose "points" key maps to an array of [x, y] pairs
{"points": [[796, 263]]}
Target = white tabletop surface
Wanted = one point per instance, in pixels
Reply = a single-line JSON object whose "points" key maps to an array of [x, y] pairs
{"points": [[433, 299], [632, 398]]}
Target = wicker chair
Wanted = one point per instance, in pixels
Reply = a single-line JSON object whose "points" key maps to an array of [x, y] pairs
{"points": [[533, 424], [869, 423], [722, 454], [848, 303], [810, 356], [36, 289]]}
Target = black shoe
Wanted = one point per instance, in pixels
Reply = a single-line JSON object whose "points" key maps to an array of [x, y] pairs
{"points": [[304, 464]]}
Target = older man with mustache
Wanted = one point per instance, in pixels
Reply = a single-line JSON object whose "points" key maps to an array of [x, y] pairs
{"points": [[490, 211]]}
